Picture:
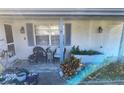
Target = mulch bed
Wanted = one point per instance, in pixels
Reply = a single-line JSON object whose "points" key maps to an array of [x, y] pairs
{"points": [[114, 82], [111, 72]]}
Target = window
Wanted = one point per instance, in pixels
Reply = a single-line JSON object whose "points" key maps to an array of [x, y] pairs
{"points": [[47, 35]]}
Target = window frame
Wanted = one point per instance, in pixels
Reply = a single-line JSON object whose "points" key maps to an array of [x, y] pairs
{"points": [[11, 42], [50, 35]]}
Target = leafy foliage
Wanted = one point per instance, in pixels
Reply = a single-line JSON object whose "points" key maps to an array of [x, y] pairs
{"points": [[70, 66], [78, 51]]}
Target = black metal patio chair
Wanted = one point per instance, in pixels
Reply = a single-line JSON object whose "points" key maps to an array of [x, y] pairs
{"points": [[39, 55], [56, 54]]}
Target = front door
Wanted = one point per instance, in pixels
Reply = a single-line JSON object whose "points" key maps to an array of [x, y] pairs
{"points": [[9, 40]]}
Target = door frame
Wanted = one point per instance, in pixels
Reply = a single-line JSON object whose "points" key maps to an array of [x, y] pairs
{"points": [[9, 59]]}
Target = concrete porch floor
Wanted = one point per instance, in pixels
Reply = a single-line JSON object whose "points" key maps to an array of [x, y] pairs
{"points": [[48, 72]]}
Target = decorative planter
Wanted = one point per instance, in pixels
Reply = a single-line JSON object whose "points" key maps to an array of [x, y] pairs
{"points": [[91, 58]]}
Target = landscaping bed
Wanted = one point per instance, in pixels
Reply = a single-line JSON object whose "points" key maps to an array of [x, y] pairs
{"points": [[111, 72], [87, 56]]}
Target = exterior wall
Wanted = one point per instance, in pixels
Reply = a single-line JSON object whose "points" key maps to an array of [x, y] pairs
{"points": [[84, 34], [21, 42], [21, 46]]}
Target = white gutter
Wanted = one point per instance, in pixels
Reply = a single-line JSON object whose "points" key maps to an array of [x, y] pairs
{"points": [[63, 12]]}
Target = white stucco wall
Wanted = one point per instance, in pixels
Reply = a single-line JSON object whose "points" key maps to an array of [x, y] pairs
{"points": [[21, 42], [84, 34], [21, 46]]}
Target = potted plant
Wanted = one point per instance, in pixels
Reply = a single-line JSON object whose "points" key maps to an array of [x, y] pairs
{"points": [[87, 56]]}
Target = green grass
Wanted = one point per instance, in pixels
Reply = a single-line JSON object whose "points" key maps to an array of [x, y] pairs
{"points": [[113, 71]]}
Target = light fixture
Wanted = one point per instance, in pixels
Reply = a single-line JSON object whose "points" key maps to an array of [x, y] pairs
{"points": [[100, 29], [22, 30]]}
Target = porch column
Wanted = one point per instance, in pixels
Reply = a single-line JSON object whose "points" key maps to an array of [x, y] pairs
{"points": [[121, 48], [61, 45]]}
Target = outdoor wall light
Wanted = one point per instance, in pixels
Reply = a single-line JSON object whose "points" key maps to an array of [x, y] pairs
{"points": [[22, 30], [100, 29]]}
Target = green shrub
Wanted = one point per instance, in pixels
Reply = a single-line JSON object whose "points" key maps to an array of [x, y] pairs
{"points": [[77, 51]]}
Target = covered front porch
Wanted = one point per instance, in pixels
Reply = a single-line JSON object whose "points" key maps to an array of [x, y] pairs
{"points": [[62, 33], [21, 32]]}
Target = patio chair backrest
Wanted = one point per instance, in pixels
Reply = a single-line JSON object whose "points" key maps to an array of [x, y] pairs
{"points": [[48, 49], [38, 50], [57, 52]]}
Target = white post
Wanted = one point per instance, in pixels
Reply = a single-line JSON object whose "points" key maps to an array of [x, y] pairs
{"points": [[61, 31], [121, 48]]}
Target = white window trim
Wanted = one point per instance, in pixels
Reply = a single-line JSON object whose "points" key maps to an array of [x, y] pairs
{"points": [[50, 43]]}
